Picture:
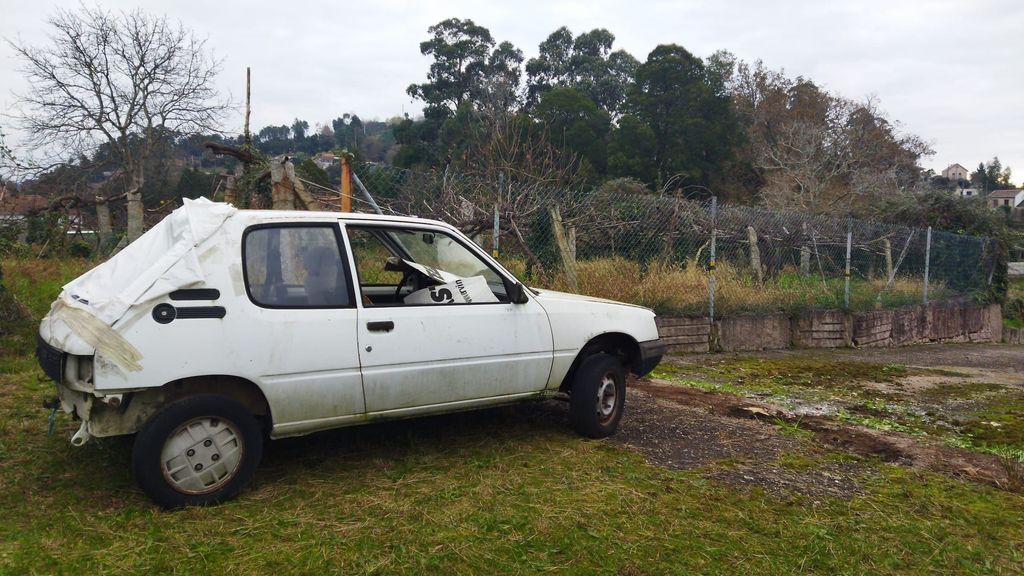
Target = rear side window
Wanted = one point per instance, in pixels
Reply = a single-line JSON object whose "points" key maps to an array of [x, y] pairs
{"points": [[296, 267]]}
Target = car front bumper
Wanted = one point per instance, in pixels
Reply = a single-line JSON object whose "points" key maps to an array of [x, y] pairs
{"points": [[650, 356]]}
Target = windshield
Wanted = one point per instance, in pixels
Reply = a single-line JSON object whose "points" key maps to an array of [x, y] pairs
{"points": [[440, 251]]}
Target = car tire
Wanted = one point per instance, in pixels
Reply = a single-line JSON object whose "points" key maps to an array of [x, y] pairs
{"points": [[598, 396], [198, 451]]}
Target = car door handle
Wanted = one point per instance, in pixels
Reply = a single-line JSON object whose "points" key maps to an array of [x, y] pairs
{"points": [[382, 326]]}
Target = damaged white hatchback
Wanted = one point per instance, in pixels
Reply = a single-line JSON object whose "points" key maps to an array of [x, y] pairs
{"points": [[219, 328]]}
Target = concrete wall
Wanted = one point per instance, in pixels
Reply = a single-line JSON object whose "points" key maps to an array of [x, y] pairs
{"points": [[683, 334], [825, 329], [769, 332], [957, 322]]}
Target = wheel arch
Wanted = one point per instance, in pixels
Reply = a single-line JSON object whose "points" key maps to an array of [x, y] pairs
{"points": [[616, 343], [242, 390], [138, 407]]}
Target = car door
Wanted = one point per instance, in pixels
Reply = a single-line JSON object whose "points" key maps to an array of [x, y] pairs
{"points": [[447, 353], [299, 332]]}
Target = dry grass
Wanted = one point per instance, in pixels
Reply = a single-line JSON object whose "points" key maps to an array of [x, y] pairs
{"points": [[671, 288]]}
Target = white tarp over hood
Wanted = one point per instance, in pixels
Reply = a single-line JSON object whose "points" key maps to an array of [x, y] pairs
{"points": [[161, 261]]}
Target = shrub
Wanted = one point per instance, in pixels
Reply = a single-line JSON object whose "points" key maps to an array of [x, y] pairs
{"points": [[80, 249]]}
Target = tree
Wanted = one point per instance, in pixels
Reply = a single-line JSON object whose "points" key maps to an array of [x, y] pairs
{"points": [[693, 125], [193, 184], [992, 176], [299, 128], [576, 124], [806, 149], [631, 150], [585, 63], [308, 170], [499, 91], [122, 79], [460, 49]]}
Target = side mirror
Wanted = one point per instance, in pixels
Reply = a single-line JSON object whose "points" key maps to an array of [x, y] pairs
{"points": [[517, 294]]}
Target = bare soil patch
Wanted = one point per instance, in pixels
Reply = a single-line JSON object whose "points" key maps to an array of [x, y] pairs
{"points": [[682, 431], [716, 415]]}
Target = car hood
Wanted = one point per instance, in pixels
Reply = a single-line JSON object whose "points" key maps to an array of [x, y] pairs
{"points": [[544, 296]]}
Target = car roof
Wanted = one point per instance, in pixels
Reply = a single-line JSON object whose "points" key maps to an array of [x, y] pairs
{"points": [[293, 215]]}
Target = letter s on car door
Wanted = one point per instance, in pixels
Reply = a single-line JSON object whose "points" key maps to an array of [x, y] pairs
{"points": [[414, 356]]}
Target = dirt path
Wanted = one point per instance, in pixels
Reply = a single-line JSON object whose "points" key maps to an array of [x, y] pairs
{"points": [[754, 442]]}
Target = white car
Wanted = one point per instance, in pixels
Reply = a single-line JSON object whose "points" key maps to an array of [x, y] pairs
{"points": [[219, 327]]}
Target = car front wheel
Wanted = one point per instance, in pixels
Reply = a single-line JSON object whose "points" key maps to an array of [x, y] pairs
{"points": [[598, 396], [197, 451]]}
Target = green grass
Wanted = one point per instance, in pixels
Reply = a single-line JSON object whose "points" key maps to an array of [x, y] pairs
{"points": [[502, 491], [498, 492], [35, 284], [779, 376]]}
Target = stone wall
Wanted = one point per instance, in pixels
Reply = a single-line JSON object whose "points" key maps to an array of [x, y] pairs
{"points": [[947, 322], [769, 332], [825, 329], [683, 334]]}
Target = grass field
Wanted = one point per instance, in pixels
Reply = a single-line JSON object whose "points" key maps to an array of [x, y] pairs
{"points": [[503, 491]]}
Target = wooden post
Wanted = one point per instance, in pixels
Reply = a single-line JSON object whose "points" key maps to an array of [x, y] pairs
{"points": [[346, 183], [887, 246], [564, 250], [282, 193], [231, 189], [755, 254], [103, 228], [248, 106], [805, 256]]}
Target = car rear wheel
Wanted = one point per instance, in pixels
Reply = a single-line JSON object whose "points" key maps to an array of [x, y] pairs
{"points": [[598, 396], [197, 451]]}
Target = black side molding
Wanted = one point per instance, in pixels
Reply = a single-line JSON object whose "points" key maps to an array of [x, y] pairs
{"points": [[165, 313], [201, 312], [195, 294]]}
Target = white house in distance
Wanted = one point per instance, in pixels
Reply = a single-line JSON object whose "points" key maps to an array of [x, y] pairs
{"points": [[1012, 198], [956, 173]]}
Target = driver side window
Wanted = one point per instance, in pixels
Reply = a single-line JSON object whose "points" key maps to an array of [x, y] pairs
{"points": [[402, 266]]}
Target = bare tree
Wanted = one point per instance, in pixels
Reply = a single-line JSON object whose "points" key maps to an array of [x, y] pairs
{"points": [[815, 151], [125, 80]]}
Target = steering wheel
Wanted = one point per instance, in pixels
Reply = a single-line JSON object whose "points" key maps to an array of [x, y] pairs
{"points": [[398, 290]]}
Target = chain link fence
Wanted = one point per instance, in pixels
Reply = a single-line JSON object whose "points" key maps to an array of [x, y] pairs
{"points": [[685, 256]]}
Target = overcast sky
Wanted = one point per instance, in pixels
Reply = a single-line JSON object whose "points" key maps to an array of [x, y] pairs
{"points": [[951, 72]]}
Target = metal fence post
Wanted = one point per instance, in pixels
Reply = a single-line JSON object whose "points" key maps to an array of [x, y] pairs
{"points": [[497, 222], [497, 232], [366, 193], [711, 261], [846, 271], [927, 262]]}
